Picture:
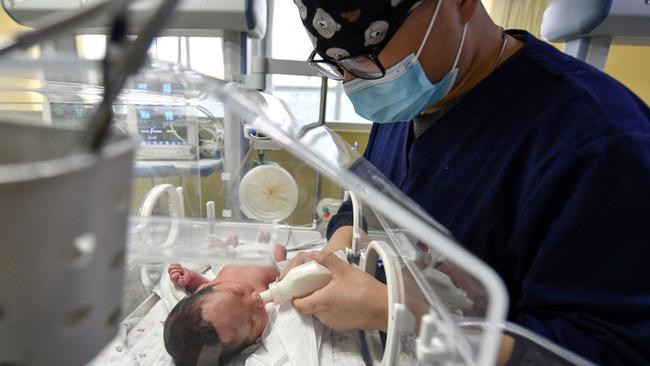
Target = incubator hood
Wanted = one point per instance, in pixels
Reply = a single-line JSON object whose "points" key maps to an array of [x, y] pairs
{"points": [[446, 307]]}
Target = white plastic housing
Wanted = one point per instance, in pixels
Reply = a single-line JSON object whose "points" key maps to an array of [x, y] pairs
{"points": [[627, 20], [191, 18]]}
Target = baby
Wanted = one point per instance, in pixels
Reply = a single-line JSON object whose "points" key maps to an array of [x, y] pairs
{"points": [[222, 316]]}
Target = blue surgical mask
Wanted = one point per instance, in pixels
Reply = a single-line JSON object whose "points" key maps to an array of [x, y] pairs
{"points": [[405, 91]]}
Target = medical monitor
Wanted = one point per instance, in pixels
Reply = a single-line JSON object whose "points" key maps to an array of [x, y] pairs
{"points": [[70, 115], [161, 118], [166, 132]]}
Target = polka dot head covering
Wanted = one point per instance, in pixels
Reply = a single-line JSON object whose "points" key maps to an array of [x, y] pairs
{"points": [[343, 28]]}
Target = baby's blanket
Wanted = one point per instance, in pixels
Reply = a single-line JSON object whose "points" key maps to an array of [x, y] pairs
{"points": [[290, 339]]}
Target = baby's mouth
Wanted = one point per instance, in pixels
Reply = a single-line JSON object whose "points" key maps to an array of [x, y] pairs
{"points": [[259, 303]]}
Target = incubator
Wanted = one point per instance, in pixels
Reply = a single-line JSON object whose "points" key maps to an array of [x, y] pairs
{"points": [[444, 305], [195, 134]]}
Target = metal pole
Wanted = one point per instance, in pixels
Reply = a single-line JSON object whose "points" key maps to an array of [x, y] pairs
{"points": [[593, 50], [323, 101], [234, 146], [321, 119]]}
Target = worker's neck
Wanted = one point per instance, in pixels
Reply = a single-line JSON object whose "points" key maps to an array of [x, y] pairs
{"points": [[481, 51]]}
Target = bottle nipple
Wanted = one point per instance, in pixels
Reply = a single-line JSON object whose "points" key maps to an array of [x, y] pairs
{"points": [[267, 295]]}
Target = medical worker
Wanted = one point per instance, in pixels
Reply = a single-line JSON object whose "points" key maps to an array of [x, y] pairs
{"points": [[537, 163]]}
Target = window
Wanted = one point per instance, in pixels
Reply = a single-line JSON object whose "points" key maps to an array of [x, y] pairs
{"points": [[205, 53], [289, 41], [91, 46]]}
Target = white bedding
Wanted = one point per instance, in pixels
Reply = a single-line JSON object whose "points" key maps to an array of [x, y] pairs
{"points": [[139, 342]]}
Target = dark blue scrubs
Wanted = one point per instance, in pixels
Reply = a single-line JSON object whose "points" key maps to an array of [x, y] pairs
{"points": [[543, 171]]}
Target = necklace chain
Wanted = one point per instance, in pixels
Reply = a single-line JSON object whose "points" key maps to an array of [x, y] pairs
{"points": [[503, 48]]}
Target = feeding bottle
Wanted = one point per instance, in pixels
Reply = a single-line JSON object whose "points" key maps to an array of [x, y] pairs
{"points": [[299, 281]]}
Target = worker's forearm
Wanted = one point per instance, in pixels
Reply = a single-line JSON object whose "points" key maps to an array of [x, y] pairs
{"points": [[341, 239], [379, 312], [505, 350]]}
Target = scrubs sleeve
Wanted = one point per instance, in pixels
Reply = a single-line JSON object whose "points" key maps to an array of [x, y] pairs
{"points": [[343, 218], [580, 220]]}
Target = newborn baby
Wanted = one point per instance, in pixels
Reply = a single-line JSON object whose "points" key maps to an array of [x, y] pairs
{"points": [[222, 316]]}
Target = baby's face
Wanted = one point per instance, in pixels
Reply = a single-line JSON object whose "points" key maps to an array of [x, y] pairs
{"points": [[236, 311]]}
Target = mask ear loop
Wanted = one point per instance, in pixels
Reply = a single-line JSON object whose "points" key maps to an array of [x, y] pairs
{"points": [[426, 35], [460, 48], [454, 68]]}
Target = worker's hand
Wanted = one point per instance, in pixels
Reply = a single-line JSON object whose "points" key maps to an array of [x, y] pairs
{"points": [[352, 300], [341, 239], [474, 290], [300, 258]]}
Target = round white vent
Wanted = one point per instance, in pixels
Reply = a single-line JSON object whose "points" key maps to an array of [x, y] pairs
{"points": [[268, 193]]}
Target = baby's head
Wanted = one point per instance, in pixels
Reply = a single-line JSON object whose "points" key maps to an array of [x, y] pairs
{"points": [[222, 318]]}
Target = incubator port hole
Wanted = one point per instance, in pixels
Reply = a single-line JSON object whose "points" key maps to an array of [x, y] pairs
{"points": [[117, 261], [77, 316], [113, 318], [80, 253]]}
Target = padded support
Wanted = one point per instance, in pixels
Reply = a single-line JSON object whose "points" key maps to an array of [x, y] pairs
{"points": [[570, 19]]}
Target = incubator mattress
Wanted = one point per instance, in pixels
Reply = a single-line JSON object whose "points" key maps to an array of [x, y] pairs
{"points": [[140, 339], [139, 342]]}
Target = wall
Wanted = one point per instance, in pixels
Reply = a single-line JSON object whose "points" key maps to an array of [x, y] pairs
{"points": [[627, 64], [23, 101], [630, 65], [8, 26], [518, 14]]}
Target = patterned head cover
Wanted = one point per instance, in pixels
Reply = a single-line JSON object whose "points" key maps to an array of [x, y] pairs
{"points": [[342, 28]]}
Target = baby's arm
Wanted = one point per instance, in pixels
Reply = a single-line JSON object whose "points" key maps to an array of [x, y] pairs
{"points": [[185, 278]]}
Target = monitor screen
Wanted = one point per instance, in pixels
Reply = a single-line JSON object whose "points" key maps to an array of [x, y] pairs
{"points": [[72, 115], [162, 126], [160, 85]]}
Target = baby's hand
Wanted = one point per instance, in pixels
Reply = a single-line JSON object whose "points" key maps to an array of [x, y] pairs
{"points": [[279, 253], [185, 278]]}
